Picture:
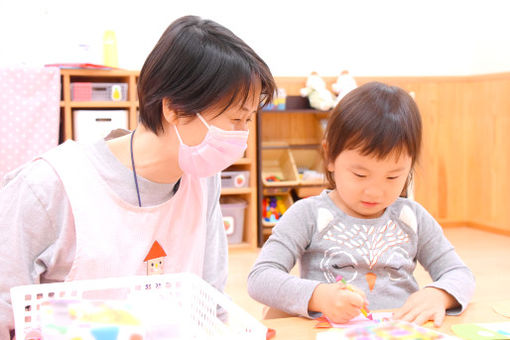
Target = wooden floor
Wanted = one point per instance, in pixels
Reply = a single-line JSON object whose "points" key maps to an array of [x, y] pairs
{"points": [[487, 254]]}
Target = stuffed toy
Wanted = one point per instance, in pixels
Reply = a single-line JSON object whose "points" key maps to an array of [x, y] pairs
{"points": [[344, 84], [319, 96]]}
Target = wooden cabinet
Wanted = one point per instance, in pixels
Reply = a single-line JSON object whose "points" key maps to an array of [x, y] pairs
{"points": [[69, 107], [290, 161]]}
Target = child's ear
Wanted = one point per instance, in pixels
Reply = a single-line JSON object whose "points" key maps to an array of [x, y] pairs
{"points": [[168, 114], [330, 166]]}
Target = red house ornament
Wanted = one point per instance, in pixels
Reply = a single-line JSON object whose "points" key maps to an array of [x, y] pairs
{"points": [[154, 259]]}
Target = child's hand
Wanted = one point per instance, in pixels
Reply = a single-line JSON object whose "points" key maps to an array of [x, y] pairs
{"points": [[424, 305], [337, 302]]}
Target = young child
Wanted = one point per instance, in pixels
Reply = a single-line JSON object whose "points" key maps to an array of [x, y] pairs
{"points": [[362, 230], [147, 202]]}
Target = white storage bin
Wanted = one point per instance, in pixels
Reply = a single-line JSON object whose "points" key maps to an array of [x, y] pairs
{"points": [[232, 209], [235, 179], [197, 309], [91, 125]]}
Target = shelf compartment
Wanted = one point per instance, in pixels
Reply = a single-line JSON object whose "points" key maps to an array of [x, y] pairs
{"points": [[279, 164], [273, 207], [309, 166]]}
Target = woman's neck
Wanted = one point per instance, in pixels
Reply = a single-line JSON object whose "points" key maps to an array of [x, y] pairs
{"points": [[155, 156]]}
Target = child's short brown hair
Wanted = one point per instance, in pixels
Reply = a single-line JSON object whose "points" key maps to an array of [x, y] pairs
{"points": [[377, 119]]}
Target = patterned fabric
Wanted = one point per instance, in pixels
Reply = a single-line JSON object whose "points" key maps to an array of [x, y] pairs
{"points": [[29, 114]]}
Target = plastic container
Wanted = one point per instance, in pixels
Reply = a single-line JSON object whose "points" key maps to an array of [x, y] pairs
{"points": [[203, 312], [98, 91], [235, 179], [273, 207], [91, 125], [232, 209]]}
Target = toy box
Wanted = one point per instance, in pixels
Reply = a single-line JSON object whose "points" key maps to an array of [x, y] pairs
{"points": [[170, 306]]}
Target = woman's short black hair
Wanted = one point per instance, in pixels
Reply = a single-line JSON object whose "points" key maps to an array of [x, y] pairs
{"points": [[198, 64]]}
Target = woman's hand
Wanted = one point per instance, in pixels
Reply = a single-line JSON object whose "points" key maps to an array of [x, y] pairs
{"points": [[337, 302], [426, 304]]}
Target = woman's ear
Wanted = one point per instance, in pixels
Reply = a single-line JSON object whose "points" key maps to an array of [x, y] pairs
{"points": [[168, 114]]}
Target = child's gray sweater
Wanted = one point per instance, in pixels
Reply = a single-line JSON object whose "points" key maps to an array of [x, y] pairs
{"points": [[327, 243]]}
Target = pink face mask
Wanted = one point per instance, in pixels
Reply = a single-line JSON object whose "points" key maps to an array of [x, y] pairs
{"points": [[219, 149]]}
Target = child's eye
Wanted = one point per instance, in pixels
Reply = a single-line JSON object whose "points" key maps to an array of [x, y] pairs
{"points": [[359, 175], [392, 177], [336, 266]]}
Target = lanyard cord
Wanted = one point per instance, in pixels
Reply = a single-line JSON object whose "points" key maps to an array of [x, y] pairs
{"points": [[176, 186], [134, 170]]}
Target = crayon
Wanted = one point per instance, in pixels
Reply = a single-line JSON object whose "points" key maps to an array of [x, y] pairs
{"points": [[364, 311]]}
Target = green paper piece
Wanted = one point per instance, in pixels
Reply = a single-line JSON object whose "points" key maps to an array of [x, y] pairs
{"points": [[471, 331]]}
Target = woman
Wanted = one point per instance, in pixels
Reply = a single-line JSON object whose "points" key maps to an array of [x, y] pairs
{"points": [[146, 202]]}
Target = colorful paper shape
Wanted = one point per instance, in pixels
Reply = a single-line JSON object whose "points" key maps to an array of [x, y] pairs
{"points": [[482, 331], [395, 329]]}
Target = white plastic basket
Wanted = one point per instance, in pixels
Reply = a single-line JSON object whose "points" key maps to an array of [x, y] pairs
{"points": [[204, 311]]}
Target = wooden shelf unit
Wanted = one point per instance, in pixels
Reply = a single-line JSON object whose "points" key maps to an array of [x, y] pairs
{"points": [[67, 106], [302, 132]]}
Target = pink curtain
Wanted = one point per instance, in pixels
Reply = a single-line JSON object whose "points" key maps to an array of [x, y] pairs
{"points": [[29, 114]]}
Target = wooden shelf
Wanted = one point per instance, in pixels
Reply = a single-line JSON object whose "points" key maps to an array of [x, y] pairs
{"points": [[267, 231], [236, 191], [268, 224], [94, 105], [243, 161]]}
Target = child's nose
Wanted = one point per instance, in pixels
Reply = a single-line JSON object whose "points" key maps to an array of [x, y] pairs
{"points": [[373, 192]]}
